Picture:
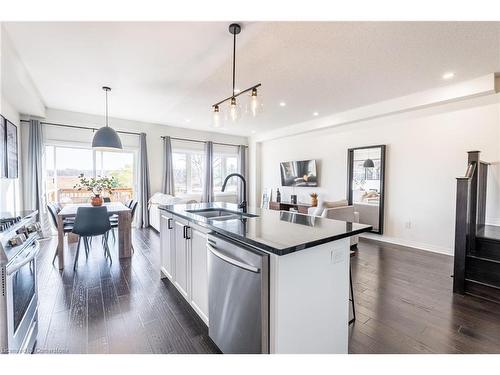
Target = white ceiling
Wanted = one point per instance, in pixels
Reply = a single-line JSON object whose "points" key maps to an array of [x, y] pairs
{"points": [[172, 72]]}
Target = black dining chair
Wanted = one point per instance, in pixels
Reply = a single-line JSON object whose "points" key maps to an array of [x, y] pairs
{"points": [[67, 227], [129, 203], [90, 222], [114, 222]]}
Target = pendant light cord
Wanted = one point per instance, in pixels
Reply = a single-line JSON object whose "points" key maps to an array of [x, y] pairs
{"points": [[234, 60], [106, 107]]}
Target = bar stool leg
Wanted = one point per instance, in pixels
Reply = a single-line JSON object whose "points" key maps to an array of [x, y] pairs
{"points": [[352, 297]]}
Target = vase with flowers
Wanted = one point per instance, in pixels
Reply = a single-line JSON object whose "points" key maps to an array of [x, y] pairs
{"points": [[97, 186]]}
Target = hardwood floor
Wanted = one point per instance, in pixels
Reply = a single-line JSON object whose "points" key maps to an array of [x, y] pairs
{"points": [[122, 308], [404, 304]]}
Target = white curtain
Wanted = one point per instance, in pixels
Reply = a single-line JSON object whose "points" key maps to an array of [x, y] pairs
{"points": [[208, 180], [34, 191], [168, 186]]}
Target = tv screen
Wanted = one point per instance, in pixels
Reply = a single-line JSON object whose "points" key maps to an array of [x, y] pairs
{"points": [[299, 173]]}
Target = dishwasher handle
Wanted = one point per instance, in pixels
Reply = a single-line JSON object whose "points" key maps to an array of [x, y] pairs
{"points": [[232, 261]]}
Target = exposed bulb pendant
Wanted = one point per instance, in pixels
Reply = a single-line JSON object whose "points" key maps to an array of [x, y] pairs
{"points": [[254, 102], [217, 119], [234, 108], [106, 138]]}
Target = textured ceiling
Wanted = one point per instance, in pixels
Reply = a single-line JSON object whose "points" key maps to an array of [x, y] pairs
{"points": [[172, 72]]}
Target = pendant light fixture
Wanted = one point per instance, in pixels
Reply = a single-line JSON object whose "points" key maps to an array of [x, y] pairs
{"points": [[234, 108], [368, 163], [106, 138]]}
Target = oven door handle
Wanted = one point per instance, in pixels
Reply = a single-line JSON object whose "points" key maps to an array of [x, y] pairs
{"points": [[16, 266]]}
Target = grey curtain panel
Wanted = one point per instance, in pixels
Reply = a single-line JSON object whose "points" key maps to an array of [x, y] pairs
{"points": [[144, 187], [242, 169], [167, 186], [208, 180], [34, 191]]}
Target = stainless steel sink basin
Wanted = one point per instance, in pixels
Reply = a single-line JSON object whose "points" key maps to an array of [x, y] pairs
{"points": [[220, 214]]}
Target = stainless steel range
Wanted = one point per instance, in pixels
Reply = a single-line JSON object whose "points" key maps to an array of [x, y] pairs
{"points": [[19, 247]]}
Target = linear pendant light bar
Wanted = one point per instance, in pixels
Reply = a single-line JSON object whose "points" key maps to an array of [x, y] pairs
{"points": [[235, 29], [238, 94]]}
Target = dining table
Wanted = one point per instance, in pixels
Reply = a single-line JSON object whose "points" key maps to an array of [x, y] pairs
{"points": [[114, 208]]}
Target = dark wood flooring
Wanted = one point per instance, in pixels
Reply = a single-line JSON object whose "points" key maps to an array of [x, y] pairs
{"points": [[122, 308], [404, 304]]}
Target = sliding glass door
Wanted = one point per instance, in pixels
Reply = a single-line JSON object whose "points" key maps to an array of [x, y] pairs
{"points": [[63, 165]]}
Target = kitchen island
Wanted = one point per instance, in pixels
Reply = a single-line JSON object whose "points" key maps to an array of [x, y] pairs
{"points": [[304, 277]]}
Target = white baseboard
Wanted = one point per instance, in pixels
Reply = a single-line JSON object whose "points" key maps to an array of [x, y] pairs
{"points": [[493, 220], [409, 243]]}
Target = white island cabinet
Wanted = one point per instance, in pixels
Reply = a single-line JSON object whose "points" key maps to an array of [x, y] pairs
{"points": [[307, 275], [309, 300], [184, 260], [167, 254]]}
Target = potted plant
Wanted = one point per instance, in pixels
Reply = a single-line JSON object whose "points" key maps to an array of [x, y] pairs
{"points": [[314, 199], [96, 185]]}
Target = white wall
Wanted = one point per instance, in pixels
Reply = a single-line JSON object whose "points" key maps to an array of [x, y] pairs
{"points": [[153, 133], [426, 151], [10, 189]]}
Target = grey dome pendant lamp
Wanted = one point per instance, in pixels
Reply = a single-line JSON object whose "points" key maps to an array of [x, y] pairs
{"points": [[369, 163], [106, 138]]}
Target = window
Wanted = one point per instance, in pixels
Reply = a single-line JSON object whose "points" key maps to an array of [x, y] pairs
{"points": [[189, 166], [63, 165], [223, 165], [188, 171], [119, 165]]}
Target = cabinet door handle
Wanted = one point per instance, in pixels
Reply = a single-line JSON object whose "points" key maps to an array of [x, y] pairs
{"points": [[188, 233], [184, 231], [169, 222]]}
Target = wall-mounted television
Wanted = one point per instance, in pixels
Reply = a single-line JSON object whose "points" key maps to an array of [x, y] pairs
{"points": [[299, 173]]}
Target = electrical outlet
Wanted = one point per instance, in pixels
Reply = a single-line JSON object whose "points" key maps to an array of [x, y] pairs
{"points": [[336, 256]]}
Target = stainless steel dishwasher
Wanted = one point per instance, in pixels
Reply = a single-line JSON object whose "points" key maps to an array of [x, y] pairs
{"points": [[238, 291]]}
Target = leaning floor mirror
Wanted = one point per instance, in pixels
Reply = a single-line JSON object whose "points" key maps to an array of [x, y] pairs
{"points": [[366, 170]]}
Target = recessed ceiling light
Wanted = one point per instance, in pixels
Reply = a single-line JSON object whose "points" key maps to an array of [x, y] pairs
{"points": [[448, 75], [282, 104], [315, 113], [253, 131], [187, 120]]}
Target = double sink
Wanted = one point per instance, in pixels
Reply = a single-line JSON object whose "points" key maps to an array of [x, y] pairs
{"points": [[221, 214]]}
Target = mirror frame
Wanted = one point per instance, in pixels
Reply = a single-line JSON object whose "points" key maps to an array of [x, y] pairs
{"points": [[350, 165]]}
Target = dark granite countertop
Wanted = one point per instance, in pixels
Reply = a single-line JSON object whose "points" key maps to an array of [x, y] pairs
{"points": [[278, 232]]}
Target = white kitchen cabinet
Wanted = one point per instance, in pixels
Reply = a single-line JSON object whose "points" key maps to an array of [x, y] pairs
{"points": [[167, 244], [183, 260], [181, 247], [199, 273]]}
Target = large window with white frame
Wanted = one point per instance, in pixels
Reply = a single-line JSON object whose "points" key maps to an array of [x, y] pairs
{"points": [[65, 162], [189, 166]]}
